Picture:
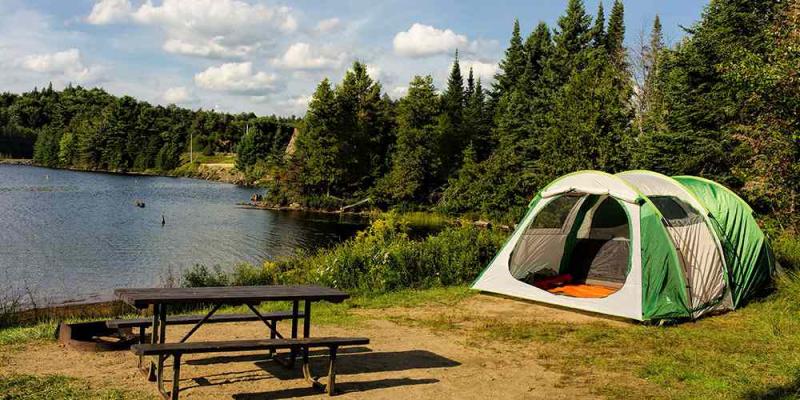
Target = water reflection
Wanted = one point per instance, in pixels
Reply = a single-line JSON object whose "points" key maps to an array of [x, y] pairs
{"points": [[69, 234]]}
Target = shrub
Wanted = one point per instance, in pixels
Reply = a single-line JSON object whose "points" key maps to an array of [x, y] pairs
{"points": [[786, 247], [379, 259]]}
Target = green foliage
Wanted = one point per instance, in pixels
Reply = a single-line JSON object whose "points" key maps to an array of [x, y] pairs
{"points": [[381, 258], [88, 128], [343, 147], [416, 165]]}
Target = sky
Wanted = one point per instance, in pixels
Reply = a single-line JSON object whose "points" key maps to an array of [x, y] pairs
{"points": [[267, 57]]}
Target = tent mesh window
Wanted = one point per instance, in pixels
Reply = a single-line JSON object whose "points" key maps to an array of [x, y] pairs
{"points": [[577, 245], [538, 252], [602, 248], [694, 242]]}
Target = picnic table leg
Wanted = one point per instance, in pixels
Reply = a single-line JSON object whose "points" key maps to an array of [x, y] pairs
{"points": [[307, 322], [162, 326], [295, 312], [331, 388], [306, 333], [176, 377], [151, 375], [141, 341], [272, 335]]}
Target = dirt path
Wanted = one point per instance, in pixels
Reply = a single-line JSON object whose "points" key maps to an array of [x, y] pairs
{"points": [[407, 359]]}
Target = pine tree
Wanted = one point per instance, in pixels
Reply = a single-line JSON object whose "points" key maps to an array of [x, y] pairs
{"points": [[470, 90], [453, 137], [599, 30], [539, 48], [318, 149], [416, 166], [701, 104], [511, 66], [615, 37], [571, 39], [478, 121], [364, 132]]}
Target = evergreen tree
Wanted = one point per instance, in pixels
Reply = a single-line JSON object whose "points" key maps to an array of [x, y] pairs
{"points": [[470, 90], [571, 38], [478, 121], [511, 66], [599, 30], [453, 136], [615, 37], [318, 153], [416, 166], [364, 131], [700, 102]]}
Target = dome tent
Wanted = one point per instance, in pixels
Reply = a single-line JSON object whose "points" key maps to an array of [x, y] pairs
{"points": [[638, 244]]}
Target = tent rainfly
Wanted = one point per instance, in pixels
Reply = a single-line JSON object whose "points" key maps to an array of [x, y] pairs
{"points": [[637, 244]]}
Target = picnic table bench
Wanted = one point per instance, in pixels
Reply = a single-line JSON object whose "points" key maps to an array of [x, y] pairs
{"points": [[251, 296]]}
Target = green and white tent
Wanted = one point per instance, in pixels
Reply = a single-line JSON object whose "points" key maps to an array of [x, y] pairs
{"points": [[637, 244]]}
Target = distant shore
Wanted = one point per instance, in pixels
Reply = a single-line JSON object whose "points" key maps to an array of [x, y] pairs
{"points": [[16, 161], [211, 172]]}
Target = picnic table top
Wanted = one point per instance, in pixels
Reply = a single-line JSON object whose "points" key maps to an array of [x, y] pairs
{"points": [[143, 297]]}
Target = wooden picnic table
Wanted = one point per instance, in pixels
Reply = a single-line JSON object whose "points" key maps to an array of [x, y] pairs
{"points": [[251, 296]]}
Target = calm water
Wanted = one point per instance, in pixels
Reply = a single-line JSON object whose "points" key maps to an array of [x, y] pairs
{"points": [[73, 235]]}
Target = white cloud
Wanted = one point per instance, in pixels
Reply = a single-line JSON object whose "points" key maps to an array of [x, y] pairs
{"points": [[109, 11], [425, 40], [302, 56], [205, 28], [178, 95], [237, 78], [328, 25], [65, 64], [398, 92], [374, 71], [300, 101], [484, 70]]}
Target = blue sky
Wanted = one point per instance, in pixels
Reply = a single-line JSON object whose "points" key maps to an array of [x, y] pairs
{"points": [[267, 56]]}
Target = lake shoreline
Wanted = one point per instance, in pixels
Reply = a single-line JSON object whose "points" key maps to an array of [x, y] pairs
{"points": [[206, 174]]}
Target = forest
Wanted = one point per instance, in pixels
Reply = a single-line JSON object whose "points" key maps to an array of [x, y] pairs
{"points": [[721, 103], [91, 129]]}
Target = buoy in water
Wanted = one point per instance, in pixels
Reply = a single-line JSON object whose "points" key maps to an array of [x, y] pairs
{"points": [[163, 221]]}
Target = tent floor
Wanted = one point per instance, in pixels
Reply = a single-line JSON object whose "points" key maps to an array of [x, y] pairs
{"points": [[584, 290]]}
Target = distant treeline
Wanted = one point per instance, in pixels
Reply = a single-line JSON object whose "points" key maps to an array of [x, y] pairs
{"points": [[89, 128], [722, 103]]}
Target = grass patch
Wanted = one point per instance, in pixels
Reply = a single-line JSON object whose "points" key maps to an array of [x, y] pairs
{"points": [[750, 353], [41, 332], [29, 387]]}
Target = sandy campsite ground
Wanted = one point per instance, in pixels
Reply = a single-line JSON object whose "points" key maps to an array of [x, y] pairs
{"points": [[408, 358]]}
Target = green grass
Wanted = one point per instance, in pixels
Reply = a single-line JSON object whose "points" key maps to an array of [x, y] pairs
{"points": [[41, 332], [29, 387], [211, 159], [750, 353]]}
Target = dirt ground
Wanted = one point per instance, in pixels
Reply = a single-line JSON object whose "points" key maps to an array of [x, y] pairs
{"points": [[403, 360]]}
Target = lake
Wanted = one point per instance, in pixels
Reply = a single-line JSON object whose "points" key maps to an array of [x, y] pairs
{"points": [[69, 236]]}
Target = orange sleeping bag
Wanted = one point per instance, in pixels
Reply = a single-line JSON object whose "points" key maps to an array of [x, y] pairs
{"points": [[585, 291]]}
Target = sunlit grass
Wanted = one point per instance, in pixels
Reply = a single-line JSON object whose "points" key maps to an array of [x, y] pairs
{"points": [[29, 387]]}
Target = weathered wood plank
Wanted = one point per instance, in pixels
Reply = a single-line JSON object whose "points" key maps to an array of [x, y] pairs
{"points": [[143, 297], [243, 345], [193, 319]]}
